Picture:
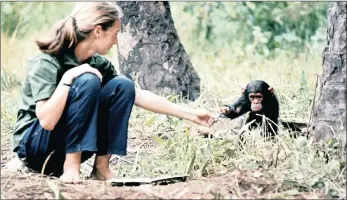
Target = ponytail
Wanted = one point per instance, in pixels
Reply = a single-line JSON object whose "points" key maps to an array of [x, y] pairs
{"points": [[62, 35], [68, 32]]}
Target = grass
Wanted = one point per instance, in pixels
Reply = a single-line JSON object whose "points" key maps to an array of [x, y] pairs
{"points": [[170, 146]]}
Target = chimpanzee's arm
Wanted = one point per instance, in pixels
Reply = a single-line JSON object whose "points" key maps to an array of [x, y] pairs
{"points": [[240, 107], [271, 109]]}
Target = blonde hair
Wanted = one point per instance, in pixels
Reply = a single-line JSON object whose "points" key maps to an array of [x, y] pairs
{"points": [[85, 17]]}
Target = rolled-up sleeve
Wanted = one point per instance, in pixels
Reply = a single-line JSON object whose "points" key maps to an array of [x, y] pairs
{"points": [[43, 79]]}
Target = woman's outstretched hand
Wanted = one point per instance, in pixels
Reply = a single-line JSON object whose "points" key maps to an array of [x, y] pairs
{"points": [[152, 102], [203, 118]]}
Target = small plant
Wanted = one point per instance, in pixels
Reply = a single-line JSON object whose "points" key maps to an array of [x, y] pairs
{"points": [[8, 80]]}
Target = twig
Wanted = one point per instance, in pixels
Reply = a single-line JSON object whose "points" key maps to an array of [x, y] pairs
{"points": [[55, 190], [122, 159], [313, 103], [7, 181], [276, 158], [105, 186], [284, 148], [214, 164], [236, 191], [267, 119], [342, 172], [137, 157], [46, 161]]}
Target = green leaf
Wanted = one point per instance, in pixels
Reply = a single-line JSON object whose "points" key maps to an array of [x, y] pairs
{"points": [[332, 193], [172, 98], [158, 140], [250, 166], [191, 163], [151, 121], [318, 183], [303, 82], [226, 142], [230, 152]]}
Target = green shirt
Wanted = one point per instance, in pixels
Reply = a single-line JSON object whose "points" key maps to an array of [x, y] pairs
{"points": [[44, 74]]}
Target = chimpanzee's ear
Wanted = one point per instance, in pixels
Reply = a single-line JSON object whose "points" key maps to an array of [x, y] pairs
{"points": [[243, 90], [272, 90]]}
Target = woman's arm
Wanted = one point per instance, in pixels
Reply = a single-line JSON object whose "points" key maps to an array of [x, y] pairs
{"points": [[152, 102], [49, 111]]}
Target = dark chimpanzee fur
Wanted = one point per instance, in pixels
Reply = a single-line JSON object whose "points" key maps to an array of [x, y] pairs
{"points": [[269, 106]]}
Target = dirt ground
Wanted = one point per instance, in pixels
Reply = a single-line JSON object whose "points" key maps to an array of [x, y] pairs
{"points": [[21, 186], [233, 185]]}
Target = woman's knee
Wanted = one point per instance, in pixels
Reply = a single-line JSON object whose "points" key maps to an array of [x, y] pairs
{"points": [[87, 81], [125, 85]]}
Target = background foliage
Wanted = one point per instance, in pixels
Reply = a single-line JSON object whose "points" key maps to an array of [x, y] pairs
{"points": [[267, 26], [229, 43]]}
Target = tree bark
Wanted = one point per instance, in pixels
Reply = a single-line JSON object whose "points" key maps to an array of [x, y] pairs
{"points": [[329, 114], [150, 51]]}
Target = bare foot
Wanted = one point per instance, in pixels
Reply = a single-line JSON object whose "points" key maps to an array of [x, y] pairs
{"points": [[101, 170], [104, 175], [70, 177], [72, 168]]}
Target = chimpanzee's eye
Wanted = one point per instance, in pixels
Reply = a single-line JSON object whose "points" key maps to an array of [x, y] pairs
{"points": [[255, 96]]}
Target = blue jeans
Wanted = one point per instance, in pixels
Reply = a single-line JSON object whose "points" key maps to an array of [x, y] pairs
{"points": [[95, 120]]}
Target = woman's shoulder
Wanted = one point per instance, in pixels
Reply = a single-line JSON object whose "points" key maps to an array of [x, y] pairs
{"points": [[44, 57], [43, 63]]}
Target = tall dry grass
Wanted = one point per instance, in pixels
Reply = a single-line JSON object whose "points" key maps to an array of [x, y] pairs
{"points": [[174, 147]]}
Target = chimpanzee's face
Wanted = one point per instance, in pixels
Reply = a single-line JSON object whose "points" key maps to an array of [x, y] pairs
{"points": [[258, 93], [256, 99]]}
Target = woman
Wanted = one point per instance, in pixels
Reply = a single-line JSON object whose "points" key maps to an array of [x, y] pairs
{"points": [[73, 103]]}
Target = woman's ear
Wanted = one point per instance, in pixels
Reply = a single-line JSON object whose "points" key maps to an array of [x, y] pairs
{"points": [[97, 31]]}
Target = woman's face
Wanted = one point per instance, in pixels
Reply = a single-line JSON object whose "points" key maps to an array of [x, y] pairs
{"points": [[105, 39]]}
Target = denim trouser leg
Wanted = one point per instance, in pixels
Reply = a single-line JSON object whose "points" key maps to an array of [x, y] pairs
{"points": [[81, 114], [76, 130], [94, 120], [117, 98]]}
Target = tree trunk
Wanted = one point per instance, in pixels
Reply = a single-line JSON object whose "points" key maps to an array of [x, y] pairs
{"points": [[150, 51], [329, 114]]}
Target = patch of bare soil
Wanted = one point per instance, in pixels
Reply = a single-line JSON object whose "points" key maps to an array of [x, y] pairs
{"points": [[236, 184], [16, 185]]}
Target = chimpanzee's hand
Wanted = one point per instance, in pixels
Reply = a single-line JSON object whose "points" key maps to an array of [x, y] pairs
{"points": [[203, 118], [225, 110]]}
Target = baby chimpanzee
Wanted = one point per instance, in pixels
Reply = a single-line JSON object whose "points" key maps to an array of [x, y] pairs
{"points": [[259, 99]]}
